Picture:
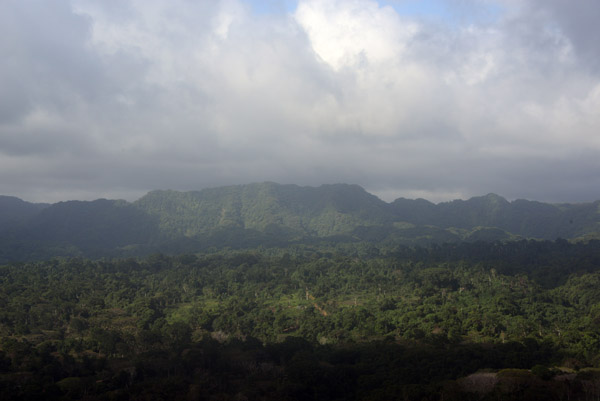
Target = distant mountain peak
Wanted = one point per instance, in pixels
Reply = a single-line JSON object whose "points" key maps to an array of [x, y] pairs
{"points": [[14, 210], [492, 197], [270, 213]]}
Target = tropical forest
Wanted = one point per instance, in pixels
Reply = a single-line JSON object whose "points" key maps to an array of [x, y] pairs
{"points": [[281, 292]]}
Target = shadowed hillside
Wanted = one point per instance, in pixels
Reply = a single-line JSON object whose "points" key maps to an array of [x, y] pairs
{"points": [[270, 214], [521, 217], [14, 210]]}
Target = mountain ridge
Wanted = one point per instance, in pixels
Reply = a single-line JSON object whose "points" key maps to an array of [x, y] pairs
{"points": [[274, 214]]}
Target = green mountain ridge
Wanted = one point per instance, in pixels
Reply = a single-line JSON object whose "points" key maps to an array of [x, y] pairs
{"points": [[271, 214], [14, 210], [327, 210]]}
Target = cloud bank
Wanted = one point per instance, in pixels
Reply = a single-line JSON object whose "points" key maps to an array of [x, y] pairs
{"points": [[116, 98]]}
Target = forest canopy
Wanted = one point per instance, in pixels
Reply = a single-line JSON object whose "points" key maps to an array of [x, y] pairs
{"points": [[323, 322]]}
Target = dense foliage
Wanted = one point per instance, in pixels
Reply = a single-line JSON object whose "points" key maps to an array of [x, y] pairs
{"points": [[269, 214], [516, 320]]}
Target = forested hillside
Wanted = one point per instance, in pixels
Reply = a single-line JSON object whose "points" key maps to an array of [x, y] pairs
{"points": [[303, 211], [269, 214], [92, 229], [525, 218], [281, 292], [14, 210]]}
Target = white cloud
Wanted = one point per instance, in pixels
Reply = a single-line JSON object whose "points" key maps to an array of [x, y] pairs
{"points": [[350, 34], [136, 95]]}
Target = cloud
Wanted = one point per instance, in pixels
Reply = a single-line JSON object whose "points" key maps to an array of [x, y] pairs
{"points": [[578, 22], [116, 98]]}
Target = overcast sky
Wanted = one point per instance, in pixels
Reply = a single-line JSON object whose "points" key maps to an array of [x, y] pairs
{"points": [[413, 98]]}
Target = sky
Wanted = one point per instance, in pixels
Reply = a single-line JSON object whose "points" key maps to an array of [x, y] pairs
{"points": [[408, 98]]}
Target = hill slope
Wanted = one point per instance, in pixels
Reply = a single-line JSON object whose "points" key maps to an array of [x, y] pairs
{"points": [[273, 215], [14, 210], [323, 211], [521, 217]]}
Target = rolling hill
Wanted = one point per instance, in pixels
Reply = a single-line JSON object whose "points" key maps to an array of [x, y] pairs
{"points": [[271, 214]]}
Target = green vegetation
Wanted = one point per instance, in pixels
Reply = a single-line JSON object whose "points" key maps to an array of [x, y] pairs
{"points": [[338, 321], [269, 214], [280, 292]]}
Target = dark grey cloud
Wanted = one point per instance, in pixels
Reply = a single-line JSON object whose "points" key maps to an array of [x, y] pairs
{"points": [[45, 57], [578, 21], [116, 98]]}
